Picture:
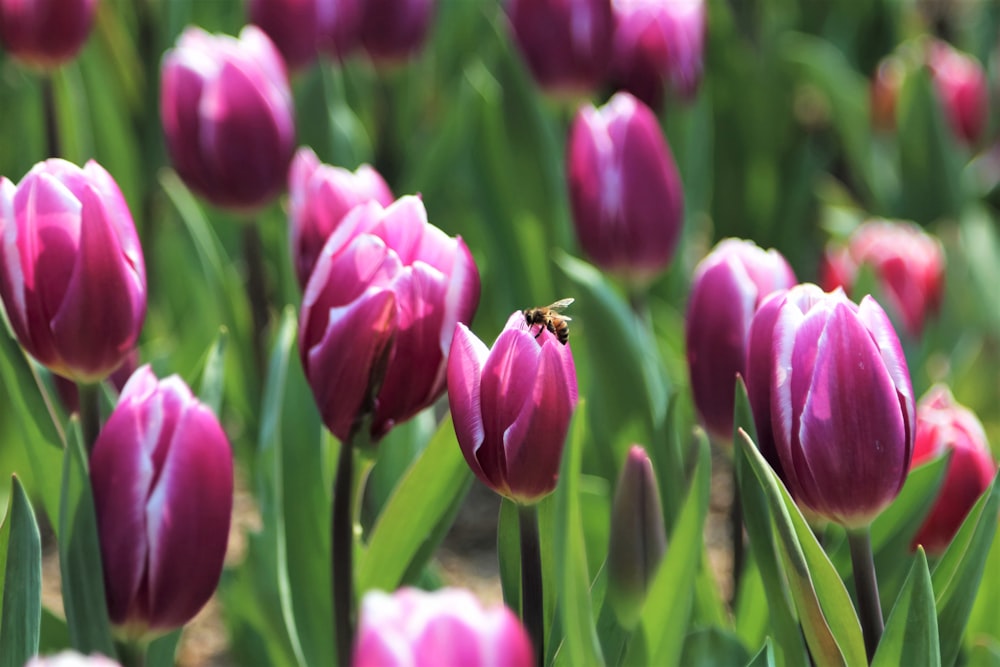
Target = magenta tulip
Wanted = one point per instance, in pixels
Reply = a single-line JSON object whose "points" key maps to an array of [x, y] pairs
{"points": [[414, 628], [71, 659], [962, 87], [301, 29], [388, 286], [512, 405], [162, 473], [227, 116], [624, 189], [729, 285], [72, 275], [319, 196], [45, 33], [393, 30]]}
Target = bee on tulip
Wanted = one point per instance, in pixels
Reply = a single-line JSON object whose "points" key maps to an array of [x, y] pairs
{"points": [[549, 318]]}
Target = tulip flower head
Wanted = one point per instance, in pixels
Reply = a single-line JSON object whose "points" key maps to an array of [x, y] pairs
{"points": [[393, 30], [512, 405], [387, 290], [45, 33], [729, 285], [162, 474], [625, 192], [833, 380], [414, 628], [945, 426], [72, 274], [301, 29], [227, 116]]}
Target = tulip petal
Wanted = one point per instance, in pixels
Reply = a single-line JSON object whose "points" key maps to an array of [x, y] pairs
{"points": [[466, 358], [758, 369], [182, 83], [462, 299]]}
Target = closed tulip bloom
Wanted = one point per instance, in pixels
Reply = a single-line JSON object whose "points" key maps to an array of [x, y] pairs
{"points": [[625, 192], [387, 286], [658, 46], [71, 659], [565, 43], [162, 474], [45, 33], [944, 426], [319, 196], [512, 405], [301, 29], [728, 286], [840, 401], [72, 275], [414, 628], [393, 30], [227, 116], [908, 264], [961, 85]]}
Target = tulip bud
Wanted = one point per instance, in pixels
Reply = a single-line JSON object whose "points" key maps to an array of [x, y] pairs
{"points": [[319, 196], [71, 659], [386, 283], [393, 30], [638, 537], [301, 29], [908, 263], [566, 44], [417, 628], [162, 474], [658, 44], [72, 275], [728, 286], [961, 86], [227, 116], [45, 33], [625, 192], [834, 380], [511, 406], [945, 426]]}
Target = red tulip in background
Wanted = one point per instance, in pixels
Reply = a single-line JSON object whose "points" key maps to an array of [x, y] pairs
{"points": [[301, 29], [227, 116], [512, 405], [624, 189], [944, 426], [162, 474], [728, 286], [45, 33], [414, 628], [72, 275]]}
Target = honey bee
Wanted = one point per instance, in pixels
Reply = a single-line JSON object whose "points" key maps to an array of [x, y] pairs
{"points": [[549, 318]]}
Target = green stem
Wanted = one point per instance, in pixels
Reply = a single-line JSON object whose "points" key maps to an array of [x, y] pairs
{"points": [[532, 613], [342, 552], [132, 654], [52, 143], [90, 414], [736, 530], [866, 585], [253, 253]]}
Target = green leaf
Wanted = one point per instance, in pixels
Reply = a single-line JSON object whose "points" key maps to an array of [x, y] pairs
{"points": [[213, 373], [764, 657], [713, 646], [911, 632], [162, 650], [22, 591]]}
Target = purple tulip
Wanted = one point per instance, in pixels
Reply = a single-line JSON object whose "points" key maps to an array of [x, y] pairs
{"points": [[162, 473], [319, 196], [512, 405], [833, 378], [301, 29], [625, 192], [227, 116], [45, 33], [728, 286], [386, 283], [414, 628], [393, 30], [566, 43], [72, 275]]}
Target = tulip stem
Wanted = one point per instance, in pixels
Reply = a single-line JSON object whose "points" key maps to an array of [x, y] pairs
{"points": [[90, 414], [736, 527], [52, 146], [132, 654], [253, 254], [866, 586], [342, 552], [531, 579]]}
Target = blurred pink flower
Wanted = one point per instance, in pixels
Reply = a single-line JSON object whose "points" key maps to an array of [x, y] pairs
{"points": [[301, 29], [45, 33]]}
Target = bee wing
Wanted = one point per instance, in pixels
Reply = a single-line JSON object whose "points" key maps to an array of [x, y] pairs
{"points": [[562, 303]]}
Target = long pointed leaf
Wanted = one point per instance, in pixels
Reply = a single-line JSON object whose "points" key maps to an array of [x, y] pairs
{"points": [[911, 633], [22, 592]]}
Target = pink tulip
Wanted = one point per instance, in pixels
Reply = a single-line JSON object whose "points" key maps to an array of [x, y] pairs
{"points": [[387, 286], [319, 196], [414, 628], [227, 116], [512, 405], [45, 33], [162, 474], [301, 29], [72, 275], [393, 30], [962, 88], [71, 659]]}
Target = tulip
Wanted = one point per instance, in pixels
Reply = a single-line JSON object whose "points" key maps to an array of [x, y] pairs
{"points": [[71, 659], [393, 30], [944, 426], [388, 286], [72, 275], [908, 264], [227, 116], [728, 286], [565, 43], [835, 383], [301, 29], [415, 628], [512, 405], [162, 474], [319, 197], [961, 86], [625, 192], [45, 33], [658, 44]]}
